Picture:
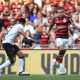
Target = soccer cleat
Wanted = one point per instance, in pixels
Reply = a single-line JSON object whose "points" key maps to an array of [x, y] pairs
{"points": [[23, 73], [62, 70], [53, 63]]}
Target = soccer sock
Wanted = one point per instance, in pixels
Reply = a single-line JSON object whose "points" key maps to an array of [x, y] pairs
{"points": [[21, 64], [59, 58], [5, 64]]}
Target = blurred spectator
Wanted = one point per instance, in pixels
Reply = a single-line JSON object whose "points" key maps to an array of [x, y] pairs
{"points": [[29, 27], [19, 5], [19, 15], [43, 2], [13, 22], [39, 17], [1, 7], [69, 8], [6, 16], [39, 2], [26, 41], [44, 36], [40, 22], [14, 8], [76, 13], [75, 29], [31, 5], [1, 24], [33, 14], [7, 3], [48, 7]]}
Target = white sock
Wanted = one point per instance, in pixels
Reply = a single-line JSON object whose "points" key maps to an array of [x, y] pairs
{"points": [[21, 64], [5, 64]]}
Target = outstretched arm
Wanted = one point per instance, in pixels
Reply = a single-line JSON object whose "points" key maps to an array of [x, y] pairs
{"points": [[51, 25], [23, 33], [2, 34]]}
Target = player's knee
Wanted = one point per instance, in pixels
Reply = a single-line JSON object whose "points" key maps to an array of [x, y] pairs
{"points": [[13, 60], [20, 54]]}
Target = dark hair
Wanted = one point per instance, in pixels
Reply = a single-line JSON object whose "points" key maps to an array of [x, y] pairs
{"points": [[22, 20], [33, 10], [59, 8]]}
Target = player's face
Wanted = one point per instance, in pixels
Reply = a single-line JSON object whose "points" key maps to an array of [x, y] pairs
{"points": [[60, 12]]}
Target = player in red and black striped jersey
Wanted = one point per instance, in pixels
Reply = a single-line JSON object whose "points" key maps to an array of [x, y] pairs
{"points": [[61, 25], [6, 16]]}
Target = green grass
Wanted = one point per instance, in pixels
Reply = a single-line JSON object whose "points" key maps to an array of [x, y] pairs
{"points": [[40, 77]]}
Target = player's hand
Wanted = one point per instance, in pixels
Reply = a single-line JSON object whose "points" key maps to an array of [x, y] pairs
{"points": [[30, 38]]}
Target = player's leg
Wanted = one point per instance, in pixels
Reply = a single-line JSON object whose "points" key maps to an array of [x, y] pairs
{"points": [[60, 56], [59, 59], [59, 44], [10, 53], [62, 51], [20, 55]]}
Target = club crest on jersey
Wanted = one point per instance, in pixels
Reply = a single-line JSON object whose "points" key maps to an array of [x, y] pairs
{"points": [[64, 20]]}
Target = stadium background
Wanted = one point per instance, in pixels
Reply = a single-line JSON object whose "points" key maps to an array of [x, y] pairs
{"points": [[39, 1], [38, 62]]}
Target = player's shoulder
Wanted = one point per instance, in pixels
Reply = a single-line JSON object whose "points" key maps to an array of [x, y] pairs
{"points": [[18, 25], [28, 27]]}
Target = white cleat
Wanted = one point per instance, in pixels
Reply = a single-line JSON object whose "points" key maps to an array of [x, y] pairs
{"points": [[23, 73], [53, 63], [62, 70]]}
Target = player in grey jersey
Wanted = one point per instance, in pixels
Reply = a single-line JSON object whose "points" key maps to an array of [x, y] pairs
{"points": [[11, 49]]}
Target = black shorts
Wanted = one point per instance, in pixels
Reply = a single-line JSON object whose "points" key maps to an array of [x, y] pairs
{"points": [[10, 49]]}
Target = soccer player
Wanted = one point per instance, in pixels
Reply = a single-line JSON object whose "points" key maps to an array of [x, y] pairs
{"points": [[60, 25], [11, 49]]}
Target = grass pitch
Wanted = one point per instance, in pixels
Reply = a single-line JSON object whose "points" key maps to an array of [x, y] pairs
{"points": [[40, 77]]}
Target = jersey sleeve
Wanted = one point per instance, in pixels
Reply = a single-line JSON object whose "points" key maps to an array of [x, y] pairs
{"points": [[21, 27]]}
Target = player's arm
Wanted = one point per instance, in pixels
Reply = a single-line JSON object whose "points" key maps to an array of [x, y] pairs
{"points": [[2, 34], [52, 25], [23, 33]]}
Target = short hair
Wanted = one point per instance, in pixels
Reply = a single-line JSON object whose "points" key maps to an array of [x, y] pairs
{"points": [[22, 20], [60, 9]]}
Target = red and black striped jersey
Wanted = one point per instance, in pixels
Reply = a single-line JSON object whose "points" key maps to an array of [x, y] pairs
{"points": [[62, 24], [44, 39]]}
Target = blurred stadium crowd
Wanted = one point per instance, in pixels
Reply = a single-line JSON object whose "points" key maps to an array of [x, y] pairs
{"points": [[38, 20]]}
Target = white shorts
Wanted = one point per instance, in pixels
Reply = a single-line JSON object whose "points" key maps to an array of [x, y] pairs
{"points": [[61, 41]]}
